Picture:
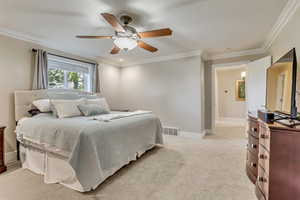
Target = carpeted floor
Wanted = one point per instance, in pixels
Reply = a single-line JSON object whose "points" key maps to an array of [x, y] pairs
{"points": [[212, 168]]}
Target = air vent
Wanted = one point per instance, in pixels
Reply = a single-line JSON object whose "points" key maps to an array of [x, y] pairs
{"points": [[171, 131]]}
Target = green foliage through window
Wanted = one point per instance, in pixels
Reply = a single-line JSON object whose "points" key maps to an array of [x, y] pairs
{"points": [[73, 80], [56, 78]]}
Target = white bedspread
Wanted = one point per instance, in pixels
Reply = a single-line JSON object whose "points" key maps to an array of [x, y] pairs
{"points": [[96, 147]]}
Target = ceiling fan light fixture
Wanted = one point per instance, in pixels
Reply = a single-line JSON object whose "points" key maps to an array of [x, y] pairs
{"points": [[125, 43]]}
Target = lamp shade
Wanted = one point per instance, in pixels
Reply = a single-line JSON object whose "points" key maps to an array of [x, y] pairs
{"points": [[125, 43]]}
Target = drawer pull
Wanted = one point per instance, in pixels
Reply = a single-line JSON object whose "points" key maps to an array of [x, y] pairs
{"points": [[254, 129], [262, 179], [253, 164], [264, 136], [253, 146], [262, 156]]}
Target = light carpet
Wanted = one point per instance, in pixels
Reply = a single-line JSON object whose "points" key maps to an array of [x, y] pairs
{"points": [[212, 168]]}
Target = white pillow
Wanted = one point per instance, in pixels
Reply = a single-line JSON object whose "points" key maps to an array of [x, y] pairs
{"points": [[100, 102], [42, 104], [67, 108]]}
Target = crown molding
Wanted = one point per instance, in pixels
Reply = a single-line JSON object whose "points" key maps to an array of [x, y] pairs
{"points": [[109, 62], [37, 41], [20, 36], [40, 42], [164, 58], [237, 54], [287, 13]]}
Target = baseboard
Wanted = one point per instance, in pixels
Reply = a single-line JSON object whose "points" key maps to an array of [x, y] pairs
{"points": [[208, 132], [10, 157], [191, 134]]}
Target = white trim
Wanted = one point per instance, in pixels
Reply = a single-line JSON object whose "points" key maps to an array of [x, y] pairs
{"points": [[238, 54], [244, 62], [208, 131], [289, 10], [109, 62], [164, 58], [20, 36], [10, 157], [286, 14], [191, 134]]}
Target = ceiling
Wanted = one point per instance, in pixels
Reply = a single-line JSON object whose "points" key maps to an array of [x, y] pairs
{"points": [[216, 26]]}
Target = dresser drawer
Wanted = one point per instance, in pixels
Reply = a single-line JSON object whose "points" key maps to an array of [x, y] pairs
{"points": [[259, 193], [252, 163], [264, 136], [250, 175], [253, 127], [253, 144], [263, 182], [263, 159]]}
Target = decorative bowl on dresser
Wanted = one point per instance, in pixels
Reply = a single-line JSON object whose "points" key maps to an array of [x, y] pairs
{"points": [[2, 165], [252, 148]]}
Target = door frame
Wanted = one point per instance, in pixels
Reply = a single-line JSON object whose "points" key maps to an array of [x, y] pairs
{"points": [[213, 93]]}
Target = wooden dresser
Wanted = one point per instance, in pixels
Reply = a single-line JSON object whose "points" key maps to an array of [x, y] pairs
{"points": [[252, 148], [278, 163], [2, 166]]}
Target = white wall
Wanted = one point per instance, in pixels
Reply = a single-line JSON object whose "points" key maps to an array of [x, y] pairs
{"points": [[110, 77], [16, 69], [228, 106], [172, 89]]}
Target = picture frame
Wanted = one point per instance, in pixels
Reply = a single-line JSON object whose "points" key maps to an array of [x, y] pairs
{"points": [[240, 90]]}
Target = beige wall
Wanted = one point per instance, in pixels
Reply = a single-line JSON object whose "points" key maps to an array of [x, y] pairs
{"points": [[16, 69], [172, 89], [228, 106]]}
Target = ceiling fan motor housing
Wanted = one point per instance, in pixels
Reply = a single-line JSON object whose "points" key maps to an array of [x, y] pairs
{"points": [[126, 19]]}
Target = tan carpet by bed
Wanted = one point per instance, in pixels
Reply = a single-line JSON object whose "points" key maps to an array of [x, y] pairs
{"points": [[185, 169]]}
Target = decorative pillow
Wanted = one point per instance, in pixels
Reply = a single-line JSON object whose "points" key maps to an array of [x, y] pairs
{"points": [[90, 110], [63, 95], [67, 108], [100, 102], [42, 104]]}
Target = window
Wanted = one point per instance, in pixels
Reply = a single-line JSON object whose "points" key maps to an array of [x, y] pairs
{"points": [[69, 74]]}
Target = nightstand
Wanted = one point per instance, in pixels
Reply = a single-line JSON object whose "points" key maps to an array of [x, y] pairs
{"points": [[2, 165]]}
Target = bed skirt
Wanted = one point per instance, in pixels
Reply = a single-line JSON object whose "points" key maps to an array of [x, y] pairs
{"points": [[56, 169]]}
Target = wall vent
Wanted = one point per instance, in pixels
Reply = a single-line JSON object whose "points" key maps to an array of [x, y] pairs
{"points": [[171, 131]]}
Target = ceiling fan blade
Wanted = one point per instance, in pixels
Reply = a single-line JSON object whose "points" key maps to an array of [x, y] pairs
{"points": [[115, 50], [93, 37], [113, 21], [147, 46], [156, 33]]}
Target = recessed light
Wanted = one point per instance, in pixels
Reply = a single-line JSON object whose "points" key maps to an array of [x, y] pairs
{"points": [[121, 59]]}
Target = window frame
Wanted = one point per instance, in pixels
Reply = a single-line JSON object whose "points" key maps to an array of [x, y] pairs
{"points": [[70, 65]]}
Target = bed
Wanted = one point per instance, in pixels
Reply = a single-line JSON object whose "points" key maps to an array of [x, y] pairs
{"points": [[81, 152]]}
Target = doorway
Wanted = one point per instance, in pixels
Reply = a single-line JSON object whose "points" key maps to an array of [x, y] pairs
{"points": [[230, 95]]}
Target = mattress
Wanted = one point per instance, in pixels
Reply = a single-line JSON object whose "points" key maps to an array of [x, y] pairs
{"points": [[88, 148]]}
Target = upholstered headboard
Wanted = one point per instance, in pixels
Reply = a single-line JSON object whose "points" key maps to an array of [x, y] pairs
{"points": [[24, 99]]}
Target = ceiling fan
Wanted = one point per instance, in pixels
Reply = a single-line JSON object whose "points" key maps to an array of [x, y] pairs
{"points": [[126, 37]]}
